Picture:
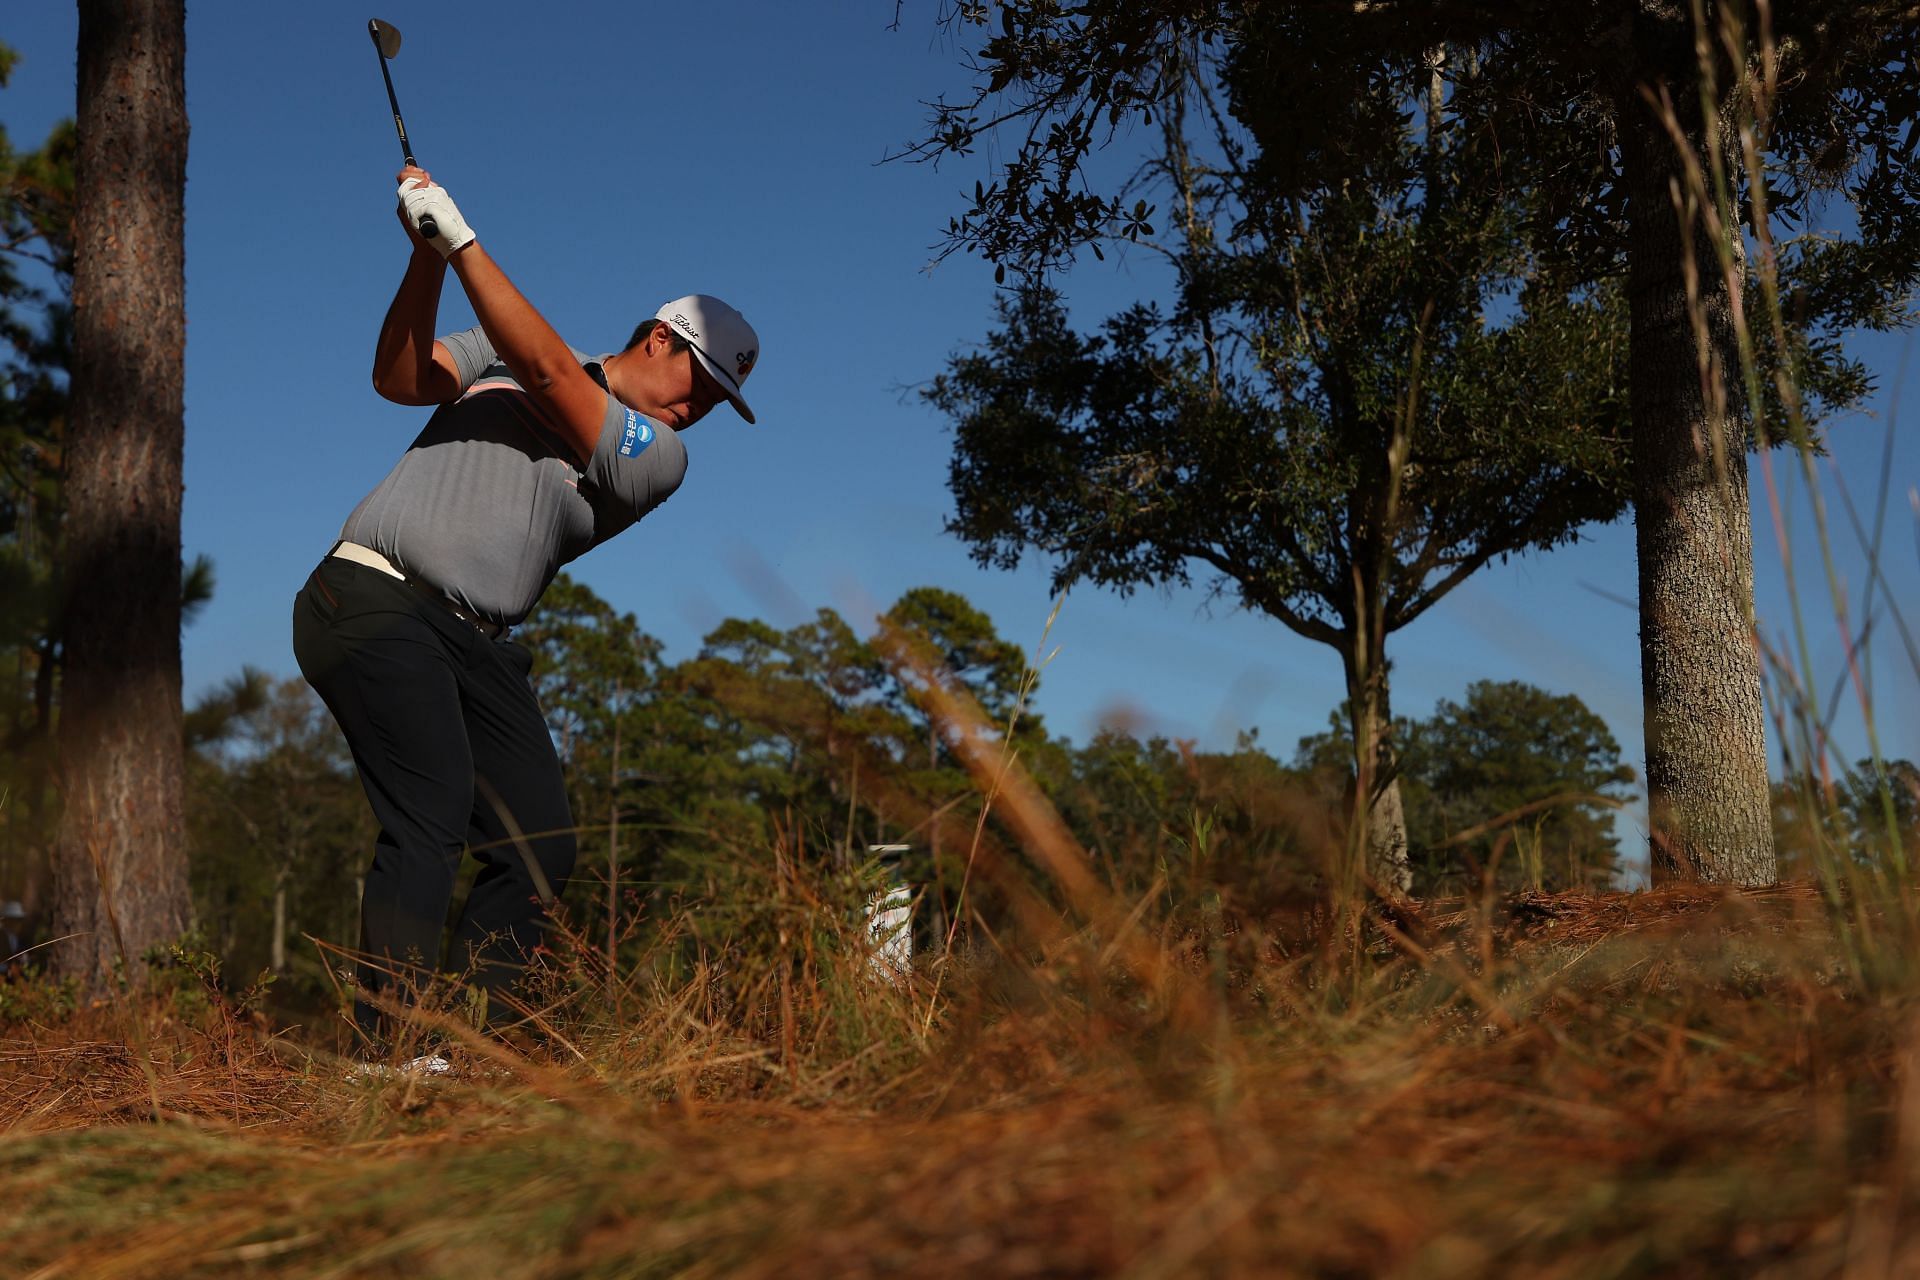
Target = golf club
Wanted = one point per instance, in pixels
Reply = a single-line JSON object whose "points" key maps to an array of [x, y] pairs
{"points": [[386, 39]]}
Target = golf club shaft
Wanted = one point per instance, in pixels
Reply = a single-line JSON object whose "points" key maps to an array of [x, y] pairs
{"points": [[400, 125], [427, 226]]}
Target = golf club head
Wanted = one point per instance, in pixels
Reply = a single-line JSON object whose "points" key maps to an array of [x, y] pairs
{"points": [[386, 37]]}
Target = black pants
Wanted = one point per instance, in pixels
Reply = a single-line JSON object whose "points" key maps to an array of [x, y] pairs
{"points": [[454, 756]]}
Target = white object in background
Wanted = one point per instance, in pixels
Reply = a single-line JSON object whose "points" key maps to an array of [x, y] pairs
{"points": [[890, 920]]}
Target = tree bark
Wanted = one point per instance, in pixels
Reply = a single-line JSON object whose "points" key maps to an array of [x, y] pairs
{"points": [[1378, 806], [613, 851], [278, 955], [120, 880], [1709, 812]]}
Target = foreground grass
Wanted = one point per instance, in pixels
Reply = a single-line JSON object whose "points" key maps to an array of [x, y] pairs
{"points": [[1624, 1085]]}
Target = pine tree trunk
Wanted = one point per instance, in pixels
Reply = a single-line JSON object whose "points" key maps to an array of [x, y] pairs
{"points": [[120, 879], [613, 851], [278, 955], [38, 803], [1709, 813]]}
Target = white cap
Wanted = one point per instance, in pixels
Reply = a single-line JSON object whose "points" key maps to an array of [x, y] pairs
{"points": [[723, 341]]}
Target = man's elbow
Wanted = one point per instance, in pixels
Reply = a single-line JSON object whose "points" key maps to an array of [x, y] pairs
{"points": [[548, 374], [399, 391], [390, 390]]}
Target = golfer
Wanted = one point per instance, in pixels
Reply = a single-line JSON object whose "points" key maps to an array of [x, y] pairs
{"points": [[535, 454]]}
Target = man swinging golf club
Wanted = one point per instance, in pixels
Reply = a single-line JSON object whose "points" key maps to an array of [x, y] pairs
{"points": [[535, 454]]}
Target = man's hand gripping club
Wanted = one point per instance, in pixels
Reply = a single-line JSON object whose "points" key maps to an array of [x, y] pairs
{"points": [[420, 201], [545, 367]]}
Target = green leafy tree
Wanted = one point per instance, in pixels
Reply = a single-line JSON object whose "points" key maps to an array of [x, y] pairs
{"points": [[1520, 780], [36, 234], [828, 725], [278, 831], [1639, 152], [1515, 779], [1196, 823], [945, 638], [1360, 398], [1123, 801], [767, 743], [1869, 817], [806, 713], [1882, 808], [598, 678], [823, 753], [941, 650], [653, 777], [934, 637]]}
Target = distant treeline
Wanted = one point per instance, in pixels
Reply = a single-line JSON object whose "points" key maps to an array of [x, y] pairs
{"points": [[691, 779]]}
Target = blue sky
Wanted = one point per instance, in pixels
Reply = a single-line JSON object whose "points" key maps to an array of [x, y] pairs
{"points": [[613, 156]]}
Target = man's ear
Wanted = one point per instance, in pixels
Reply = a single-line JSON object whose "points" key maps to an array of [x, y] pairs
{"points": [[659, 339]]}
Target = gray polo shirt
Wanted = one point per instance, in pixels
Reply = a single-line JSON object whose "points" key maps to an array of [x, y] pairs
{"points": [[488, 502]]}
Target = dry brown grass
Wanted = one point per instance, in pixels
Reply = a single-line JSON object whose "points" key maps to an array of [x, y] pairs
{"points": [[1682, 1083]]}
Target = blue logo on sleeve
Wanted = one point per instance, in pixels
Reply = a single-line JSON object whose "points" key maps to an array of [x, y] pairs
{"points": [[636, 436]]}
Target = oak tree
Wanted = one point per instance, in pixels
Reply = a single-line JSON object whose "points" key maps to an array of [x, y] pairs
{"points": [[1651, 145], [1363, 394]]}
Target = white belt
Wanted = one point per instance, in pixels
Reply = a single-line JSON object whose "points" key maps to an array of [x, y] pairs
{"points": [[374, 560], [369, 557]]}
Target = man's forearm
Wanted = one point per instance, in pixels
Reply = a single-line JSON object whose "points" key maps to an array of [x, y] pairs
{"points": [[539, 357], [522, 336], [403, 369]]}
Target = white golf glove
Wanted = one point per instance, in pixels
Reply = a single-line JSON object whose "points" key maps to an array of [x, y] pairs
{"points": [[451, 231]]}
